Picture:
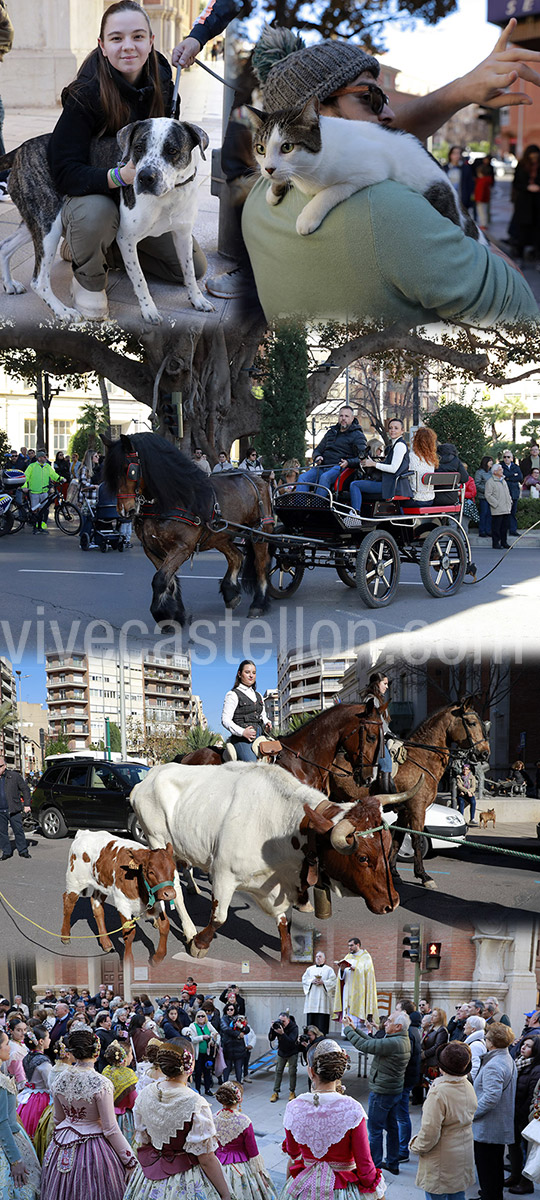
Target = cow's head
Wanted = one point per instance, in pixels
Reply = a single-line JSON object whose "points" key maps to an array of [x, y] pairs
{"points": [[156, 871]]}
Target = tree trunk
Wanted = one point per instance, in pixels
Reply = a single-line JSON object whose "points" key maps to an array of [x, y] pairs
{"points": [[40, 412], [105, 404]]}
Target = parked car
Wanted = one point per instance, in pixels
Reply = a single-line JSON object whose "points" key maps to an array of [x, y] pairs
{"points": [[439, 820], [87, 794]]}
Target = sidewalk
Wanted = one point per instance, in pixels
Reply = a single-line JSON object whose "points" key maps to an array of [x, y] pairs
{"points": [[202, 99]]}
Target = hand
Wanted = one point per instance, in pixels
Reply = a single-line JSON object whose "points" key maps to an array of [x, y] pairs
{"points": [[487, 82], [343, 462], [185, 53], [250, 733], [128, 172], [19, 1173], [533, 187], [130, 1167], [368, 462], [27, 810], [348, 1021], [319, 461]]}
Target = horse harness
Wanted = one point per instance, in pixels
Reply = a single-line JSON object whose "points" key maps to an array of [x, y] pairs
{"points": [[146, 508]]}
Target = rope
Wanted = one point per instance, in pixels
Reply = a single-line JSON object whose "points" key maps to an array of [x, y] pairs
{"points": [[77, 937], [460, 841], [479, 579]]}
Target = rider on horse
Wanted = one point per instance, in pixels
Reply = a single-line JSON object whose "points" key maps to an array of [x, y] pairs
{"points": [[377, 690], [244, 714]]}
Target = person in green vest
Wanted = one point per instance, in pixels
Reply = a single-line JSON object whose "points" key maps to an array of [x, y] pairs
{"points": [[39, 476]]}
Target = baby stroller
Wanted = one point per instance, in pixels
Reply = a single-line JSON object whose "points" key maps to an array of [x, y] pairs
{"points": [[102, 525]]}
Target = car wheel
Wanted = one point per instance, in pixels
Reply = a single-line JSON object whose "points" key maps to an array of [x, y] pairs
{"points": [[136, 830], [52, 823], [406, 853]]}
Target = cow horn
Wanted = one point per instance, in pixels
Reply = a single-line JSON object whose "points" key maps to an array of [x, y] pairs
{"points": [[339, 835], [391, 798]]}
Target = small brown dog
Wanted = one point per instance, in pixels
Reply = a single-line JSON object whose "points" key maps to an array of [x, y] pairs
{"points": [[486, 817]]}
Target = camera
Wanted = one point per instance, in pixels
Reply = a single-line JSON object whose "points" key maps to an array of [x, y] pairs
{"points": [[304, 1039], [276, 1027]]}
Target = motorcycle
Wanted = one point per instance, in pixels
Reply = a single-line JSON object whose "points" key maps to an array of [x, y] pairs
{"points": [[13, 511]]}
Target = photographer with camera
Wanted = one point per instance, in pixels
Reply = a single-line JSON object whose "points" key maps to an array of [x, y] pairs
{"points": [[234, 1029], [285, 1030]]}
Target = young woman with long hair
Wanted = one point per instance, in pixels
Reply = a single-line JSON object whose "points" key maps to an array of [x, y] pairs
{"points": [[244, 714], [423, 459], [123, 80]]}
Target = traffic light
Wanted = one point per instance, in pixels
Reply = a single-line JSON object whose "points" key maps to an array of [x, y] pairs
{"points": [[414, 943], [171, 414], [433, 956]]}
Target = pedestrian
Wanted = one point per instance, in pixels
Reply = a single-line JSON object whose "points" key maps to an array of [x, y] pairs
{"points": [[528, 1080], [411, 1081], [201, 461], [205, 1040], [16, 1030], [390, 1056], [244, 715], [123, 80], [493, 1122], [524, 228], [466, 789], [251, 462], [481, 477], [141, 1032], [35, 1097], [118, 1059], [174, 1022], [39, 475], [326, 1137], [531, 461], [460, 174], [223, 463], [482, 192], [500, 503], [14, 802], [233, 1029], [88, 1156], [319, 983], [176, 1135], [238, 1153], [475, 1039], [285, 1030], [436, 1036], [514, 478], [445, 1140], [231, 994], [19, 1166]]}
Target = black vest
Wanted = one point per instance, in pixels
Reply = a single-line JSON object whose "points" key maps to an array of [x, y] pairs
{"points": [[248, 712], [391, 482]]}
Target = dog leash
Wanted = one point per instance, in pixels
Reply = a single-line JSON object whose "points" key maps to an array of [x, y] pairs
{"points": [[219, 78], [175, 100]]}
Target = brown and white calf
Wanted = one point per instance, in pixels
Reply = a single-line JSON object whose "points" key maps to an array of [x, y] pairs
{"points": [[134, 879]]}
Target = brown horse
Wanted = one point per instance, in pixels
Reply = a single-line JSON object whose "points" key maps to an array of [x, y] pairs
{"points": [[351, 731], [177, 509], [428, 752]]}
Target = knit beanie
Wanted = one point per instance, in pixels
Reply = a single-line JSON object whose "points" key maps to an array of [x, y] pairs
{"points": [[454, 1058], [291, 73]]}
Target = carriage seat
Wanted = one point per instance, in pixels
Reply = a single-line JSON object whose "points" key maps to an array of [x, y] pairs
{"points": [[446, 485]]}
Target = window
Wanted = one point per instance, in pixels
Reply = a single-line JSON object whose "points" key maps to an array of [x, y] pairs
{"points": [[30, 432], [61, 435], [76, 775]]}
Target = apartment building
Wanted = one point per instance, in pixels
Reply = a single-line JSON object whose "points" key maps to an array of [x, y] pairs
{"points": [[308, 681], [152, 691], [9, 732]]}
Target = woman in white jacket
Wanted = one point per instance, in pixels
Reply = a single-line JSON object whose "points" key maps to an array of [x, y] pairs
{"points": [[474, 1039], [205, 1040]]}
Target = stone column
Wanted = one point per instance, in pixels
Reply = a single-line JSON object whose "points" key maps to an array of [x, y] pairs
{"points": [[51, 40]]}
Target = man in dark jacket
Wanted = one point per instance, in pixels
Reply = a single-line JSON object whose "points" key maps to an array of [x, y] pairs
{"points": [[12, 788], [342, 445], [514, 479], [413, 1072], [106, 1035], [285, 1030], [456, 1025]]}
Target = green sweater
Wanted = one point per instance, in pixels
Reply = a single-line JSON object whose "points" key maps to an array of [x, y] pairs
{"points": [[391, 1055], [384, 253]]}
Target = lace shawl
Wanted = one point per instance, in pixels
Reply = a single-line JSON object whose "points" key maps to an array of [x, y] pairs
{"points": [[162, 1111], [320, 1120], [229, 1125], [8, 1083], [74, 1084]]}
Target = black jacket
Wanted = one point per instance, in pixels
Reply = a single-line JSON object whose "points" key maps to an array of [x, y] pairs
{"points": [[527, 1080], [340, 443], [431, 1044], [175, 1030], [240, 1002], [449, 460], [413, 1070], [513, 477], [214, 19], [232, 1040], [82, 120], [16, 787], [287, 1041], [456, 1029]]}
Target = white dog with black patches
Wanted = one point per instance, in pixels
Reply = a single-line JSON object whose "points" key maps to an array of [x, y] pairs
{"points": [[162, 199]]}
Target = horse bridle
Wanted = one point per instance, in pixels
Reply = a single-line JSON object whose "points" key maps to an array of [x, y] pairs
{"points": [[133, 473], [333, 768]]}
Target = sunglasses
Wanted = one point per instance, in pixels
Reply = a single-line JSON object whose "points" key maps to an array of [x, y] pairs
{"points": [[369, 93]]}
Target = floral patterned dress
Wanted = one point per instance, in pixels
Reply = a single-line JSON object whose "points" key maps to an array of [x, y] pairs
{"points": [[239, 1156], [173, 1125], [326, 1138], [15, 1146]]}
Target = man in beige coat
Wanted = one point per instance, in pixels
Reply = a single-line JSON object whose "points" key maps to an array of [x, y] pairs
{"points": [[445, 1140]]}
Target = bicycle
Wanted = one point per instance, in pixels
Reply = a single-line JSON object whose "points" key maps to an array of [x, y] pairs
{"points": [[67, 517]]}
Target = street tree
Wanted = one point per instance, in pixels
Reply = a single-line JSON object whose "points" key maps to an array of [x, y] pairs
{"points": [[460, 424], [346, 19], [285, 395], [200, 739]]}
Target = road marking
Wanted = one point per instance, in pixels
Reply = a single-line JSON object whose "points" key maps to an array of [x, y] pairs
{"points": [[39, 571], [403, 868]]}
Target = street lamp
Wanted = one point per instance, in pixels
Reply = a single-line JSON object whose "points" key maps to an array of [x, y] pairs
{"points": [[20, 677]]}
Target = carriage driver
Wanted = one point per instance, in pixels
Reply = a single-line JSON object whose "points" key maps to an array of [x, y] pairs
{"points": [[343, 445], [244, 714]]}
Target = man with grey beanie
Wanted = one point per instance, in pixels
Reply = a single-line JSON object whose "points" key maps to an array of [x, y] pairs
{"points": [[385, 251]]}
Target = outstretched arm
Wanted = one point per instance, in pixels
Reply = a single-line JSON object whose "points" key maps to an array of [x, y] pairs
{"points": [[486, 84]]}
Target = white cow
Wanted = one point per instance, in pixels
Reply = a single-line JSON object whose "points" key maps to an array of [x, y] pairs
{"points": [[246, 826]]}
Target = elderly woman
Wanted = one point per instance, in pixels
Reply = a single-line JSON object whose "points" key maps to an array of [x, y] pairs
{"points": [[500, 503], [528, 1081], [435, 1038], [445, 1140], [493, 1123], [474, 1038]]}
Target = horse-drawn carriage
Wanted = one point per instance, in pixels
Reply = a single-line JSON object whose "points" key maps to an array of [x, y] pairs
{"points": [[318, 528]]}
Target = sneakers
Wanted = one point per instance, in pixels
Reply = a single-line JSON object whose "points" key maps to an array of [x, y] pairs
{"points": [[43, 524], [274, 1097], [231, 285], [92, 305], [292, 1095]]}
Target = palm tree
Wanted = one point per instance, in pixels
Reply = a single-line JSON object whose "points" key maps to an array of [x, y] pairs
{"points": [[199, 738], [7, 713]]}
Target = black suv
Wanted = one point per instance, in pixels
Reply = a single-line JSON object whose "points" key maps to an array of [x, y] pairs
{"points": [[87, 793]]}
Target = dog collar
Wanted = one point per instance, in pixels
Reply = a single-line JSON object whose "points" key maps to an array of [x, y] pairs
{"points": [[184, 181]]}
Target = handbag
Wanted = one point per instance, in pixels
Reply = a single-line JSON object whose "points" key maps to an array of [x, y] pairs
{"points": [[532, 1130]]}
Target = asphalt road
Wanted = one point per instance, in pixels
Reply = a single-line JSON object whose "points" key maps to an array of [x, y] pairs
{"points": [[467, 877], [55, 595]]}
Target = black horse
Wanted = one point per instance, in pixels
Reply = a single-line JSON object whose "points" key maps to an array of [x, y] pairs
{"points": [[178, 509]]}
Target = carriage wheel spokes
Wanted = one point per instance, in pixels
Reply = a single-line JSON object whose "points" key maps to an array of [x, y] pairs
{"points": [[378, 568], [443, 562], [284, 578]]}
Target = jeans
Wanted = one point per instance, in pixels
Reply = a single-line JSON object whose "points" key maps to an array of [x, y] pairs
{"points": [[445, 1195], [404, 1122], [463, 800], [244, 753], [236, 1065], [367, 487], [382, 1114], [16, 821], [281, 1063], [326, 476], [484, 528]]}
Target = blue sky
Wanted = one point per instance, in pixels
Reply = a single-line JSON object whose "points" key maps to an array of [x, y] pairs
{"points": [[442, 52]]}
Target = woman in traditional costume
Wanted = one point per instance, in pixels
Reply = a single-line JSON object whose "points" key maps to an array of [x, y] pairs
{"points": [[119, 1058], [238, 1152], [175, 1133], [45, 1127], [35, 1096], [326, 1137], [19, 1167], [88, 1156]]}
